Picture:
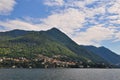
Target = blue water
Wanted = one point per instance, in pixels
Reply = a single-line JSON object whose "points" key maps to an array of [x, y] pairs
{"points": [[59, 74]]}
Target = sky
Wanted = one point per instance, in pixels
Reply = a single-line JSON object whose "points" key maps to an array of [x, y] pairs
{"points": [[87, 22]]}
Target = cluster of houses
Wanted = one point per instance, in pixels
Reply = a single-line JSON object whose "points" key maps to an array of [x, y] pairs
{"points": [[54, 61], [20, 59], [41, 61], [47, 62]]}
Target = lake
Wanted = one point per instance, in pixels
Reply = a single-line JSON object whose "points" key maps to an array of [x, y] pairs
{"points": [[59, 74]]}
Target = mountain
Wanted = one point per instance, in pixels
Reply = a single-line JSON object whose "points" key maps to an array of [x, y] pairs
{"points": [[12, 34], [105, 53], [53, 42], [69, 43], [30, 43]]}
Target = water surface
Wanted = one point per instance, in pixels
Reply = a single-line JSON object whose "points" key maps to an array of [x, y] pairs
{"points": [[59, 74]]}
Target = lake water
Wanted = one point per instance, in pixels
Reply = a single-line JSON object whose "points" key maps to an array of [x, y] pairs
{"points": [[59, 74]]}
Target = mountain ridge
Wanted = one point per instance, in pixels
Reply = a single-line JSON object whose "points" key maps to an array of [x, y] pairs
{"points": [[104, 52], [49, 43]]}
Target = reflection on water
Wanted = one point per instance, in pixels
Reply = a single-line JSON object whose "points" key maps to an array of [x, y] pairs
{"points": [[59, 74]]}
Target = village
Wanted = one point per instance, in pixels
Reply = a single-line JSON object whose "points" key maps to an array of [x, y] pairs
{"points": [[39, 62], [42, 61]]}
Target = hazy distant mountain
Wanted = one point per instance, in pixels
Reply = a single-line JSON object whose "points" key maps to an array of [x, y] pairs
{"points": [[105, 53]]}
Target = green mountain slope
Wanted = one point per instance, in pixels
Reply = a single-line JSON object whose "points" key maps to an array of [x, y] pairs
{"points": [[20, 43], [34, 43]]}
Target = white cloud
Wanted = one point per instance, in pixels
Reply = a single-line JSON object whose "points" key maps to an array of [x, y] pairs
{"points": [[54, 2], [115, 21], [23, 25], [67, 20], [6, 6], [115, 8], [113, 17], [117, 36], [68, 3], [18, 24], [94, 35], [92, 12]]}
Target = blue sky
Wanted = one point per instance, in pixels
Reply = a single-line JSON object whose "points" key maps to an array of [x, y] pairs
{"points": [[87, 22]]}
